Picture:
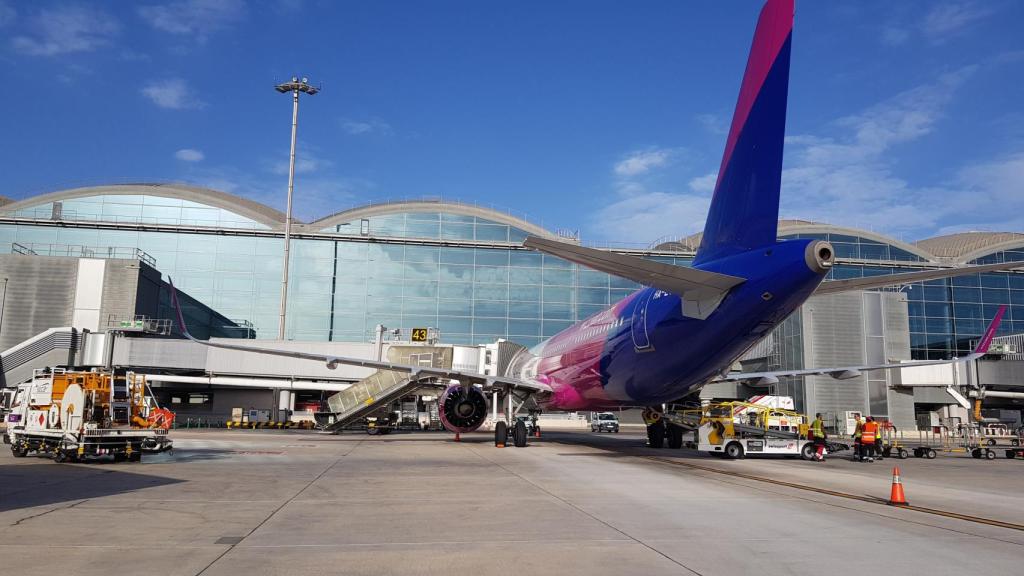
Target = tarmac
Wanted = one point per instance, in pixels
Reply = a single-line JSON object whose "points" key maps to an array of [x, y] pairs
{"points": [[289, 502]]}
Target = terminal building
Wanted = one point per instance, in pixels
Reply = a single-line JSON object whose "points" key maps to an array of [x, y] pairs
{"points": [[459, 269]]}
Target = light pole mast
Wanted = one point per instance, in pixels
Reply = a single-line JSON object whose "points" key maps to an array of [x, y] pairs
{"points": [[294, 86]]}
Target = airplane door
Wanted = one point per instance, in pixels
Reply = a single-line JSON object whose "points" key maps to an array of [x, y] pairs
{"points": [[641, 337]]}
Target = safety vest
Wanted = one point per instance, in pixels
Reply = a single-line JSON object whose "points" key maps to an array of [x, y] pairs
{"points": [[858, 430], [818, 428], [870, 430]]}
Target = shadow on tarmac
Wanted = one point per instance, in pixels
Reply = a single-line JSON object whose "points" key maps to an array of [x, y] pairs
{"points": [[43, 483]]}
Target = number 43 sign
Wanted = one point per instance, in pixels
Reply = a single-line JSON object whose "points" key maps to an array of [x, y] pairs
{"points": [[419, 334]]}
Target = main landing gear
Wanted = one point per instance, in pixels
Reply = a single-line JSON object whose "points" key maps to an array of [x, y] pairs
{"points": [[658, 430], [517, 433]]}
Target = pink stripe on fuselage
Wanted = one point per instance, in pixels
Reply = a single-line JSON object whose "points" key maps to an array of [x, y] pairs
{"points": [[773, 27]]}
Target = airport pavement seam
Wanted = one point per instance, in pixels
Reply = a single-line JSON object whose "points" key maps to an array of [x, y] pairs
{"points": [[281, 507], [584, 512], [69, 506]]}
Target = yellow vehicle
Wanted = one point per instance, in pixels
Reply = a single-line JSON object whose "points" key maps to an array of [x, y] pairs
{"points": [[737, 429]]}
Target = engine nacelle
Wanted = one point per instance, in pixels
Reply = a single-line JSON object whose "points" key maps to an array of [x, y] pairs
{"points": [[461, 411]]}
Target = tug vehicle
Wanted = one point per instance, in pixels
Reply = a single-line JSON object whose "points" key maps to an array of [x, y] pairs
{"points": [[75, 416]]}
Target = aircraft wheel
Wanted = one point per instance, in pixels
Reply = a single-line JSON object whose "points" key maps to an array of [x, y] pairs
{"points": [[734, 451], [500, 433], [675, 437], [519, 434], [656, 434]]}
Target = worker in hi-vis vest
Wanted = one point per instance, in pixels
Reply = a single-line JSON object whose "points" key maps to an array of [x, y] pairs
{"points": [[818, 435], [867, 439]]}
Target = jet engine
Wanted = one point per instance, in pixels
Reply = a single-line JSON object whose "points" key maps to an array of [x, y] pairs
{"points": [[462, 409]]}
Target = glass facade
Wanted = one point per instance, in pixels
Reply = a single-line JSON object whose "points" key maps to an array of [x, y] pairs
{"points": [[447, 271]]}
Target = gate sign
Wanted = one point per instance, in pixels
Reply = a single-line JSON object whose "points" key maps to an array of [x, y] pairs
{"points": [[419, 334]]}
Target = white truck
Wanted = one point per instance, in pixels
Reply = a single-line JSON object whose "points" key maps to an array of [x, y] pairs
{"points": [[85, 415]]}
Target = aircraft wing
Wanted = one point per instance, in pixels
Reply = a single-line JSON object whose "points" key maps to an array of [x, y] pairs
{"points": [[836, 286], [334, 361], [846, 372], [701, 290]]}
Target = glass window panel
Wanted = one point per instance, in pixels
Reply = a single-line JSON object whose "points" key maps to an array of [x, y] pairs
{"points": [[453, 290], [588, 310], [529, 259], [995, 296], [1017, 296], [516, 235], [844, 272], [917, 324], [350, 287], [938, 325], [616, 295], [552, 327], [528, 293], [557, 294], [915, 308], [492, 233], [454, 273], [592, 296], [485, 257], [988, 311], [449, 217], [555, 311], [966, 295], [524, 309], [385, 289], [454, 325], [965, 311], [554, 262], [457, 255], [490, 292], [491, 274], [938, 309], [524, 275], [349, 304], [994, 280], [935, 293], [384, 269], [390, 321], [421, 253], [416, 229], [352, 251], [417, 321], [454, 307], [420, 289], [490, 308], [622, 283], [489, 326], [524, 327], [592, 278], [1016, 281], [453, 231], [420, 270], [558, 277], [972, 280]]}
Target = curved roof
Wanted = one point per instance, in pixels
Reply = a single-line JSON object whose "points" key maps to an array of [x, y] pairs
{"points": [[787, 227], [967, 246], [446, 206], [236, 204]]}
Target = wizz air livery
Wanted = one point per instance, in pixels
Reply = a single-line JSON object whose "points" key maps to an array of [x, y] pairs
{"points": [[688, 325]]}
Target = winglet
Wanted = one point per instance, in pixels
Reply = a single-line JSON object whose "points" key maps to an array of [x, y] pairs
{"points": [[177, 310], [986, 340]]}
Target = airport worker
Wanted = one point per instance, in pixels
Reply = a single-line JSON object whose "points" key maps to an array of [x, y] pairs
{"points": [[818, 430], [867, 439], [858, 429]]}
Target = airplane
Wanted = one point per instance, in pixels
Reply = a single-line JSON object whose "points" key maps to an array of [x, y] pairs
{"points": [[688, 325]]}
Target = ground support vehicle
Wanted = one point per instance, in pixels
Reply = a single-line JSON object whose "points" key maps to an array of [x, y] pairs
{"points": [[738, 429], [86, 415], [892, 442], [604, 422]]}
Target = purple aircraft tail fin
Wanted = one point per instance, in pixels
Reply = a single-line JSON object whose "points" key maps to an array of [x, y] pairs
{"points": [[745, 208], [986, 340]]}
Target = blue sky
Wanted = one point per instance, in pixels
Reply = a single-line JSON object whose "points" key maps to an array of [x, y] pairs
{"points": [[607, 117]]}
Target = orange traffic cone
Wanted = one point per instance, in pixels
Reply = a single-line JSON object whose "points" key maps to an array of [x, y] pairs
{"points": [[457, 438], [896, 497], [536, 432]]}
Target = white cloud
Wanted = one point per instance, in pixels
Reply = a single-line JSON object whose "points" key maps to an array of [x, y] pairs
{"points": [[852, 174], [196, 18], [642, 161], [65, 30], [370, 126], [950, 19], [894, 35], [172, 93], [650, 216], [189, 155], [713, 123], [307, 161], [704, 184]]}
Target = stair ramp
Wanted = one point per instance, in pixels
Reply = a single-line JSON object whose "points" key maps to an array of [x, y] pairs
{"points": [[382, 387]]}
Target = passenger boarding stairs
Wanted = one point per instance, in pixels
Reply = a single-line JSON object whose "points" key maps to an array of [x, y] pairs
{"points": [[382, 387], [54, 347]]}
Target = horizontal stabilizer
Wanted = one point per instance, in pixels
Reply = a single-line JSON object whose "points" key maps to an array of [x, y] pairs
{"points": [[836, 286], [701, 290]]}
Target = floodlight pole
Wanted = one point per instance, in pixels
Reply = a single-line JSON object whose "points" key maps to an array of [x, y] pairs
{"points": [[294, 86]]}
